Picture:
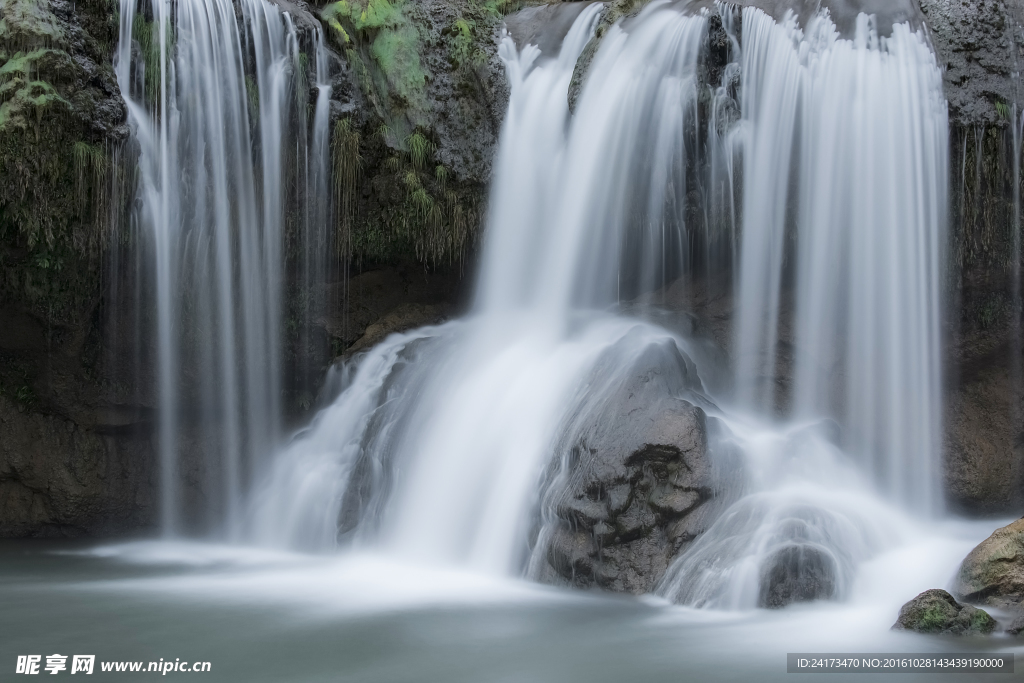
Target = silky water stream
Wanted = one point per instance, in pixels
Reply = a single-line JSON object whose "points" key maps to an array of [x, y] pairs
{"points": [[395, 537]]}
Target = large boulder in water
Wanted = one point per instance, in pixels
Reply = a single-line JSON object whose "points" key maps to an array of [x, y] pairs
{"points": [[936, 611], [993, 573], [634, 482], [797, 573], [629, 510]]}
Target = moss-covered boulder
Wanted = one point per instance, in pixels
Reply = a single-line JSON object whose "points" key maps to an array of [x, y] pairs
{"points": [[936, 611], [993, 573]]}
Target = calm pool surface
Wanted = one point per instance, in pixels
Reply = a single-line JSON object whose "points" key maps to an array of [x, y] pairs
{"points": [[264, 616]]}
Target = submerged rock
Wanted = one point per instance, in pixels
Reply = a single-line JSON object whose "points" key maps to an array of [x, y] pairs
{"points": [[797, 574], [936, 611], [993, 573]]}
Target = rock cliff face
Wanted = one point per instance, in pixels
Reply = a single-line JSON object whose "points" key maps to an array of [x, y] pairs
{"points": [[61, 477], [426, 94], [74, 457], [980, 44]]}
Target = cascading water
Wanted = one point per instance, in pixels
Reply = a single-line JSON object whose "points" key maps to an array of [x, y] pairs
{"points": [[212, 103], [441, 442], [422, 402], [852, 133]]}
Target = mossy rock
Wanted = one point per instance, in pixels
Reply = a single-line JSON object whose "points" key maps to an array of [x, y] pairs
{"points": [[411, 168], [385, 41], [936, 611], [61, 120], [993, 573]]}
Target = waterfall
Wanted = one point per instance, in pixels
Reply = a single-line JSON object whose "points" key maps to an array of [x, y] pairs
{"points": [[813, 165], [213, 98], [396, 459], [604, 207], [847, 149]]}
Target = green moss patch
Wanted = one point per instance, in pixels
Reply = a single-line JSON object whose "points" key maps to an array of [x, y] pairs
{"points": [[382, 38]]}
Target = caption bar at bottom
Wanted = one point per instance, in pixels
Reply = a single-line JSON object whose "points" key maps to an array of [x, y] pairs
{"points": [[86, 664], [898, 662]]}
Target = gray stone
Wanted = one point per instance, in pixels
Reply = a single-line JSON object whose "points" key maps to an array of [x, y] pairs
{"points": [[797, 574], [993, 573], [637, 481], [979, 43]]}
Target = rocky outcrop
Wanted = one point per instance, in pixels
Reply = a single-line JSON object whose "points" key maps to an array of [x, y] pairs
{"points": [[636, 483], [979, 44], [387, 299], [935, 611], [414, 152], [632, 511], [993, 573], [544, 25]]}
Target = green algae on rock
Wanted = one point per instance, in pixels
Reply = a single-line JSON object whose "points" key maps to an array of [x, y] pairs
{"points": [[936, 611]]}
